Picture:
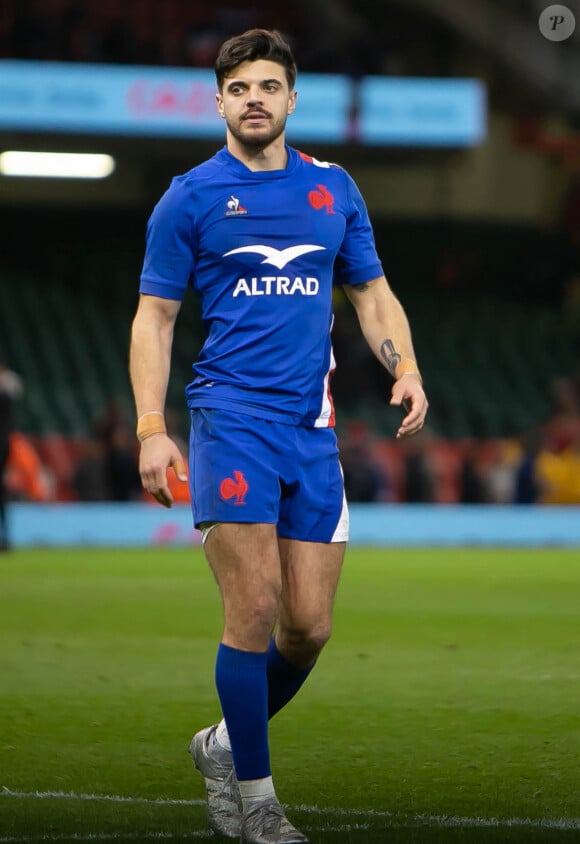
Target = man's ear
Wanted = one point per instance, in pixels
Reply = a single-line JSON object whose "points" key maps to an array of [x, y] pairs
{"points": [[292, 102], [220, 105]]}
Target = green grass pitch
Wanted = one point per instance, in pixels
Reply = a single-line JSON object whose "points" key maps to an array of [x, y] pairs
{"points": [[445, 708]]}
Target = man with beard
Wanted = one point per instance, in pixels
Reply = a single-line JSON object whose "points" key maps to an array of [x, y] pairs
{"points": [[261, 232]]}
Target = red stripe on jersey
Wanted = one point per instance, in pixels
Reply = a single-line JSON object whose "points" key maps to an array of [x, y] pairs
{"points": [[332, 417]]}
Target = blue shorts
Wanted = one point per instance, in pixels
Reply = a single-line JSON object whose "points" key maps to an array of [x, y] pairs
{"points": [[244, 469]]}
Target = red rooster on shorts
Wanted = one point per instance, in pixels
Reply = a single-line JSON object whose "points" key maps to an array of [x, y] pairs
{"points": [[235, 487]]}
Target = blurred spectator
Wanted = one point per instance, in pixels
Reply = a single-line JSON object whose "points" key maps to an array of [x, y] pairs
{"points": [[560, 472], [528, 482], [11, 389], [89, 479], [27, 477], [500, 471], [364, 479], [472, 485], [121, 465], [565, 417], [420, 481], [116, 434], [115, 414]]}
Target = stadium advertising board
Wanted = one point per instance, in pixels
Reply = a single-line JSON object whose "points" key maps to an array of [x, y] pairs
{"points": [[179, 102], [425, 112]]}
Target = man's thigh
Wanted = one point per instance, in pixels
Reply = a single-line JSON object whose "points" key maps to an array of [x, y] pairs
{"points": [[246, 564], [310, 577]]}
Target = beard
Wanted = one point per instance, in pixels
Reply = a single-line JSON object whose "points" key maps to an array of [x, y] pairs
{"points": [[256, 138]]}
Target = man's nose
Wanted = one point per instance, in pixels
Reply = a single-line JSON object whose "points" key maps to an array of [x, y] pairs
{"points": [[254, 94]]}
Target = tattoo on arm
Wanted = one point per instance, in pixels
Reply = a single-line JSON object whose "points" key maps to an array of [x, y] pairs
{"points": [[390, 356], [360, 288]]}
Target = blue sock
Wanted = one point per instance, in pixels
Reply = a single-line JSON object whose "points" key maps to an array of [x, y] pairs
{"points": [[242, 686], [284, 679]]}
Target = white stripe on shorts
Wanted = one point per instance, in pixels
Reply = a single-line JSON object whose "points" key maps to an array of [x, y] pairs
{"points": [[341, 531]]}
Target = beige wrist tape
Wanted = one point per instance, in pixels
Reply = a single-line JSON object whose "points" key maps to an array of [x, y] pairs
{"points": [[407, 366], [150, 423]]}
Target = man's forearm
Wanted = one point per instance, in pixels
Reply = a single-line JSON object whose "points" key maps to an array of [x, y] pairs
{"points": [[386, 330], [384, 325], [149, 364]]}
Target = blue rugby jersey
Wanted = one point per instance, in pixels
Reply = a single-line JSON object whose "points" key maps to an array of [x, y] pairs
{"points": [[262, 251]]}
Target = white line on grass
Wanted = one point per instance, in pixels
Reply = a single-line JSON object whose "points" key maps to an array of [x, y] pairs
{"points": [[397, 820], [107, 798], [445, 821]]}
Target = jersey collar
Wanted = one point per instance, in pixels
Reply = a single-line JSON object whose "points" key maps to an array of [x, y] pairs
{"points": [[259, 175]]}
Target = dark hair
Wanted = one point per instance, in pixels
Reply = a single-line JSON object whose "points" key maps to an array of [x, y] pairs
{"points": [[252, 45]]}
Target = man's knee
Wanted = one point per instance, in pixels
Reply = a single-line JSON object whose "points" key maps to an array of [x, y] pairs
{"points": [[250, 616], [262, 610], [306, 639]]}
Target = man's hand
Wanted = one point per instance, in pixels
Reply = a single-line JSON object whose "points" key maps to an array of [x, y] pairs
{"points": [[407, 391], [158, 453]]}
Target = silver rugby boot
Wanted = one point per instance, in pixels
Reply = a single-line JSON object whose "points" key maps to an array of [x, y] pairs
{"points": [[266, 823], [223, 802]]}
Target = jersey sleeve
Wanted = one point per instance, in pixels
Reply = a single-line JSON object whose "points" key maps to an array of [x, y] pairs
{"points": [[357, 260], [170, 245]]}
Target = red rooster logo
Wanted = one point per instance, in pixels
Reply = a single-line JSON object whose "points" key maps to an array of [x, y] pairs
{"points": [[235, 487], [321, 198]]}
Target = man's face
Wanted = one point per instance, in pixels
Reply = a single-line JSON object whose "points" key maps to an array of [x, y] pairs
{"points": [[255, 102]]}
